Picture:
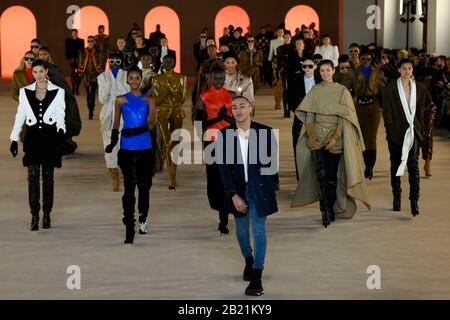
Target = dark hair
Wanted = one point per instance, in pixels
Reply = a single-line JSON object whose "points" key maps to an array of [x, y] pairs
{"points": [[326, 35], [217, 69], [326, 62], [39, 62], [343, 58], [74, 30], [231, 54], [308, 57], [353, 45], [101, 26], [134, 69], [44, 48], [115, 55], [36, 40], [442, 57], [405, 61]]}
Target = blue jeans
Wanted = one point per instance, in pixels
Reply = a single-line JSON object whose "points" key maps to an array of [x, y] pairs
{"points": [[258, 231]]}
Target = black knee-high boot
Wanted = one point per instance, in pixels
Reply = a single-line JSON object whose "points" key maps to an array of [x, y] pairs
{"points": [[48, 194], [414, 185], [396, 185], [34, 195], [324, 198]]}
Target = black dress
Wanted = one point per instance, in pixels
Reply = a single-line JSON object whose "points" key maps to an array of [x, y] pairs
{"points": [[41, 144]]}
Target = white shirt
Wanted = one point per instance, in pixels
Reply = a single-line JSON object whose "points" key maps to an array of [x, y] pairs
{"points": [[244, 151], [274, 44], [328, 52], [164, 51], [309, 83]]}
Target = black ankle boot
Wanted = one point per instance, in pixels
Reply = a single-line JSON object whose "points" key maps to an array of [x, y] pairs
{"points": [[248, 268], [397, 204], [255, 287], [35, 222], [223, 217], [326, 218], [414, 208], [129, 234], [46, 221]]}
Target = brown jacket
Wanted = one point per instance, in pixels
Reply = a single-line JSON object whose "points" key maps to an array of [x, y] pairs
{"points": [[19, 81], [394, 117], [358, 86], [244, 65]]}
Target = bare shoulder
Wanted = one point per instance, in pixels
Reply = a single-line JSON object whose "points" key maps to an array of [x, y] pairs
{"points": [[121, 100], [150, 100]]}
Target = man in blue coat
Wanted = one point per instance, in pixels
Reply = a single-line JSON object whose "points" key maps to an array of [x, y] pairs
{"points": [[247, 154]]}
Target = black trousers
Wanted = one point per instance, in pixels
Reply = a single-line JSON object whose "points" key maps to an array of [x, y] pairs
{"points": [[412, 164], [34, 188], [75, 78], [91, 90], [296, 129], [137, 169], [327, 164]]}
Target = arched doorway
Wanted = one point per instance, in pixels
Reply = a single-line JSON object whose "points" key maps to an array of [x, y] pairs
{"points": [[17, 29], [168, 19], [90, 18], [234, 15], [300, 15]]}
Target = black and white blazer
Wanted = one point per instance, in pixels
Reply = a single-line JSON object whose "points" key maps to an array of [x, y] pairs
{"points": [[55, 112]]}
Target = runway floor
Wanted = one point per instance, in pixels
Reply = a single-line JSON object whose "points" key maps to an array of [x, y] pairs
{"points": [[183, 256]]}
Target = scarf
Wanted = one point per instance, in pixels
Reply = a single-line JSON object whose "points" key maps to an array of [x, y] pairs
{"points": [[410, 112]]}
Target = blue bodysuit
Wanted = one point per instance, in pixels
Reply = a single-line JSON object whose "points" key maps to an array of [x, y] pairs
{"points": [[135, 114]]}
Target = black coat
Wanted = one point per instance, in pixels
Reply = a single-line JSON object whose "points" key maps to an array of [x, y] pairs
{"points": [[394, 117], [296, 89], [261, 186], [200, 54], [73, 120], [170, 53]]}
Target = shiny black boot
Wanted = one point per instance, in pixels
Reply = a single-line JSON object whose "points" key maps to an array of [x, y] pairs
{"points": [[255, 287], [46, 221], [34, 194], [396, 185], [34, 221], [414, 208], [248, 268], [48, 192], [129, 234]]}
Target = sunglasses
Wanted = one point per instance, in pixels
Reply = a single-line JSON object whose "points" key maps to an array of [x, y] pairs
{"points": [[29, 59], [308, 66], [202, 37], [91, 41], [34, 47], [354, 51], [366, 59], [250, 41], [344, 68]]}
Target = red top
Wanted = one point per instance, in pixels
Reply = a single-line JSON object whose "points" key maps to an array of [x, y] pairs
{"points": [[214, 99], [29, 75]]}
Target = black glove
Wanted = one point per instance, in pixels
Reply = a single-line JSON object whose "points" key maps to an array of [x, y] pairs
{"points": [[14, 148], [114, 139], [223, 112]]}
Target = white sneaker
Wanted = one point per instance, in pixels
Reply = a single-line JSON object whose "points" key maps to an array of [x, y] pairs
{"points": [[143, 227]]}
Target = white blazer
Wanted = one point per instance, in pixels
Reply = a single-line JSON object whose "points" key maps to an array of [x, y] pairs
{"points": [[55, 112], [109, 88]]}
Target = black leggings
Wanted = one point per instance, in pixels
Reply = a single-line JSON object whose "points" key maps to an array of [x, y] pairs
{"points": [[137, 168]]}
